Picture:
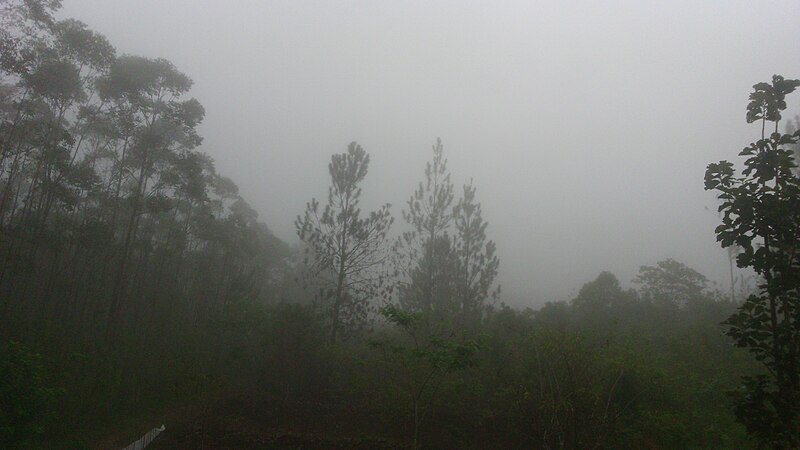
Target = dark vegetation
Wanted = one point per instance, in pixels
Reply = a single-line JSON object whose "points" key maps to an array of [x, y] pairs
{"points": [[138, 288]]}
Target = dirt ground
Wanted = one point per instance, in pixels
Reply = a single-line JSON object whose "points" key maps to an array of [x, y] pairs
{"points": [[244, 424]]}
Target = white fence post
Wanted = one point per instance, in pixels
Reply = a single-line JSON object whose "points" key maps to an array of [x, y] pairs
{"points": [[145, 440]]}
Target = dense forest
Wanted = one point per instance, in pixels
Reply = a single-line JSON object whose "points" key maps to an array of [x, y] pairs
{"points": [[138, 288]]}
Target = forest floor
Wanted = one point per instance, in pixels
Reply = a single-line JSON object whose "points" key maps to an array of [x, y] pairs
{"points": [[250, 424]]}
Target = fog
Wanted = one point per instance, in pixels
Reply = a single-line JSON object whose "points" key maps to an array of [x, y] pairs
{"points": [[586, 127]]}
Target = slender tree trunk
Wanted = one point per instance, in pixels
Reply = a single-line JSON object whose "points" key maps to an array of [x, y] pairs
{"points": [[130, 233]]}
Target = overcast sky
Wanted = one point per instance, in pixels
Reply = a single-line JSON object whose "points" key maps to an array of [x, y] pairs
{"points": [[586, 126]]}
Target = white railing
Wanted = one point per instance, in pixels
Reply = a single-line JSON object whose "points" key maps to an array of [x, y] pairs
{"points": [[145, 440]]}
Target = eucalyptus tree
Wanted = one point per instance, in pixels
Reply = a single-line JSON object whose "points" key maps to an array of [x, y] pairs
{"points": [[89, 55], [148, 94], [346, 252], [51, 68], [761, 215], [109, 211], [23, 25], [47, 69], [81, 52]]}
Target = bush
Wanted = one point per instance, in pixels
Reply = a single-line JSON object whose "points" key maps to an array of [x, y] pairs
{"points": [[26, 399]]}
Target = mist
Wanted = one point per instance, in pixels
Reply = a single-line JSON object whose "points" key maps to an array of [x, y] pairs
{"points": [[399, 225], [586, 127]]}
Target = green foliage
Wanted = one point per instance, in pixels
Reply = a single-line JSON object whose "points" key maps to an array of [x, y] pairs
{"points": [[293, 330], [421, 358], [671, 282], [665, 369], [407, 320], [761, 215], [768, 100], [27, 395], [601, 294], [441, 353]]}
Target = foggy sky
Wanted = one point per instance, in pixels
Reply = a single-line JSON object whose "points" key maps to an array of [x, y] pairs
{"points": [[586, 126]]}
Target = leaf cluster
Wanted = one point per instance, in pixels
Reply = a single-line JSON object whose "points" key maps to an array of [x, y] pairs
{"points": [[761, 215]]}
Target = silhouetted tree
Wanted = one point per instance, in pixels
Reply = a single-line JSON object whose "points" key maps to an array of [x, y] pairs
{"points": [[601, 294], [761, 210], [474, 256], [424, 254], [148, 93], [345, 251], [670, 282]]}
